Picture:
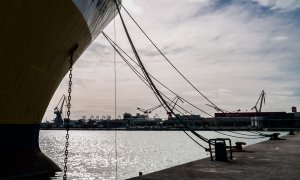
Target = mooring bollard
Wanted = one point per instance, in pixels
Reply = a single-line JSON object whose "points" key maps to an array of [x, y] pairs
{"points": [[291, 132], [220, 150], [275, 136], [140, 173], [238, 146]]}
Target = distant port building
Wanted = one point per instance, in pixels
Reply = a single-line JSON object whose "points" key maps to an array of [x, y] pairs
{"points": [[189, 120], [141, 120], [259, 119]]}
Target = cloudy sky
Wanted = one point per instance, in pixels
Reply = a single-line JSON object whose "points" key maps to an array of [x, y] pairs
{"points": [[230, 50]]}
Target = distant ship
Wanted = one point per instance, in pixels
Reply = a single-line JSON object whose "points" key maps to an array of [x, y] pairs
{"points": [[36, 39]]}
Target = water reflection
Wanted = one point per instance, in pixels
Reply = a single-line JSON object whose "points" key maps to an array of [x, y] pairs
{"points": [[92, 153]]}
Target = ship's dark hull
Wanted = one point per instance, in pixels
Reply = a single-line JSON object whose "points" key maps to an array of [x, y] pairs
{"points": [[36, 40], [21, 155]]}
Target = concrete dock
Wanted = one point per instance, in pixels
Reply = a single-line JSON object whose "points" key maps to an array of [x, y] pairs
{"points": [[269, 160]]}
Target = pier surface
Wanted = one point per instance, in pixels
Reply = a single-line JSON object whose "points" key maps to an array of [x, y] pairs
{"points": [[269, 160]]}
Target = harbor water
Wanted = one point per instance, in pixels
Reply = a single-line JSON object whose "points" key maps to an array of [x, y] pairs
{"points": [[95, 155]]}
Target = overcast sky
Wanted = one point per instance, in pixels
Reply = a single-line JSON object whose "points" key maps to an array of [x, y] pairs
{"points": [[230, 50]]}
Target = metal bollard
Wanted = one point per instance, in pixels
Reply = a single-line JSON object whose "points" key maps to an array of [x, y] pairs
{"points": [[275, 136], [220, 150], [291, 132], [239, 146], [140, 173]]}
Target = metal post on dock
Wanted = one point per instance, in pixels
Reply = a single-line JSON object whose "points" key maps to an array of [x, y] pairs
{"points": [[220, 149]]}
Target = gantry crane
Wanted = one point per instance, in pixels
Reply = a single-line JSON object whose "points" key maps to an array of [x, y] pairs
{"points": [[261, 99]]}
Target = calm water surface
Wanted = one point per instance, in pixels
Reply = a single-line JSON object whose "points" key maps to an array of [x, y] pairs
{"points": [[92, 153]]}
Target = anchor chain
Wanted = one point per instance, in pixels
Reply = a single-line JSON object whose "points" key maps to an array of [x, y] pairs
{"points": [[67, 121]]}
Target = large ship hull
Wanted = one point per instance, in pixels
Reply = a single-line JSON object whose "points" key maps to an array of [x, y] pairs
{"points": [[37, 37]]}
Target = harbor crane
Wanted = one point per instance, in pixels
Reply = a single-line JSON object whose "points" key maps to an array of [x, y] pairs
{"points": [[174, 102], [261, 99], [148, 111], [58, 111]]}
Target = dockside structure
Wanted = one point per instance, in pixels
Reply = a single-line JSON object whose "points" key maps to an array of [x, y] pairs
{"points": [[259, 119]]}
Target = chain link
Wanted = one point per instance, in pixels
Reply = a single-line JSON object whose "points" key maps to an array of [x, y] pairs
{"points": [[67, 121]]}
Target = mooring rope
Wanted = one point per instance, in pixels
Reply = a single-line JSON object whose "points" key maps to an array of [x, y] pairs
{"points": [[152, 85], [239, 136], [147, 77], [117, 47], [167, 59], [256, 135], [142, 78]]}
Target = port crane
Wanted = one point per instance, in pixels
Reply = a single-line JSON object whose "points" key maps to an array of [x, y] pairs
{"points": [[261, 99], [174, 102], [58, 110], [148, 111]]}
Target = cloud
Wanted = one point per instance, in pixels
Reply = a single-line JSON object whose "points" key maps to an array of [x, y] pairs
{"points": [[229, 50], [201, 1], [280, 38], [280, 5]]}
